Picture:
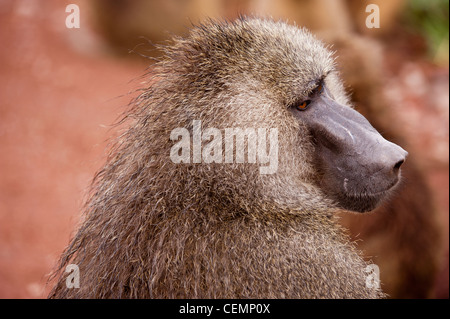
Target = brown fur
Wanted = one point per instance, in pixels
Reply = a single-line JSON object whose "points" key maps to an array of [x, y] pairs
{"points": [[157, 229]]}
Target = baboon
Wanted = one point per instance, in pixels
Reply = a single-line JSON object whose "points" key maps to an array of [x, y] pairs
{"points": [[158, 229], [392, 234]]}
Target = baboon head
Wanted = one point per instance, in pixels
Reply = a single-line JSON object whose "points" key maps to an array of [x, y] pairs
{"points": [[264, 74]]}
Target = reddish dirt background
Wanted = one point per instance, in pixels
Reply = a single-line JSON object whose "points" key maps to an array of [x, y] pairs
{"points": [[59, 93], [60, 89]]}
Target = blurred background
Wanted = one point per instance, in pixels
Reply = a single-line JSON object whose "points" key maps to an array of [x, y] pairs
{"points": [[61, 89]]}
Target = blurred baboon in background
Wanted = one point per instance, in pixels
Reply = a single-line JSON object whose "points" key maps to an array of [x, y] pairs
{"points": [[403, 236]]}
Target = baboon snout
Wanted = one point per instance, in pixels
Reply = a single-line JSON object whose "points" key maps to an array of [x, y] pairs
{"points": [[358, 165], [365, 153], [352, 142], [389, 159]]}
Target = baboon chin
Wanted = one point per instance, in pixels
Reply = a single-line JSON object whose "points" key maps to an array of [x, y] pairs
{"points": [[216, 226]]}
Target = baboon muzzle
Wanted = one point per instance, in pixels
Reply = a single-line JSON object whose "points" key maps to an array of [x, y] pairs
{"points": [[358, 165]]}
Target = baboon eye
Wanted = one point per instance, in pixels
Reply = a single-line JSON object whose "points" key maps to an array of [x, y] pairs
{"points": [[319, 88], [303, 105], [316, 92]]}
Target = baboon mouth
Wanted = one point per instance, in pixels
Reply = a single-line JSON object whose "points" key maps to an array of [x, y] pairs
{"points": [[378, 194], [368, 196], [383, 192], [364, 201], [375, 193], [360, 203]]}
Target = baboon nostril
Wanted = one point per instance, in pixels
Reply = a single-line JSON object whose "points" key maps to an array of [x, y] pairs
{"points": [[398, 164], [399, 157]]}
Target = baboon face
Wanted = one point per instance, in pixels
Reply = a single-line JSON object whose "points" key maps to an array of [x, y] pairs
{"points": [[357, 165], [353, 164], [281, 76]]}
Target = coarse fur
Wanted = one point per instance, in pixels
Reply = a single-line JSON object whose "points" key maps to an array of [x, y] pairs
{"points": [[157, 229]]}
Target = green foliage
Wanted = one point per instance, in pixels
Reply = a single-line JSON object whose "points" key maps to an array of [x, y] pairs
{"points": [[431, 19]]}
